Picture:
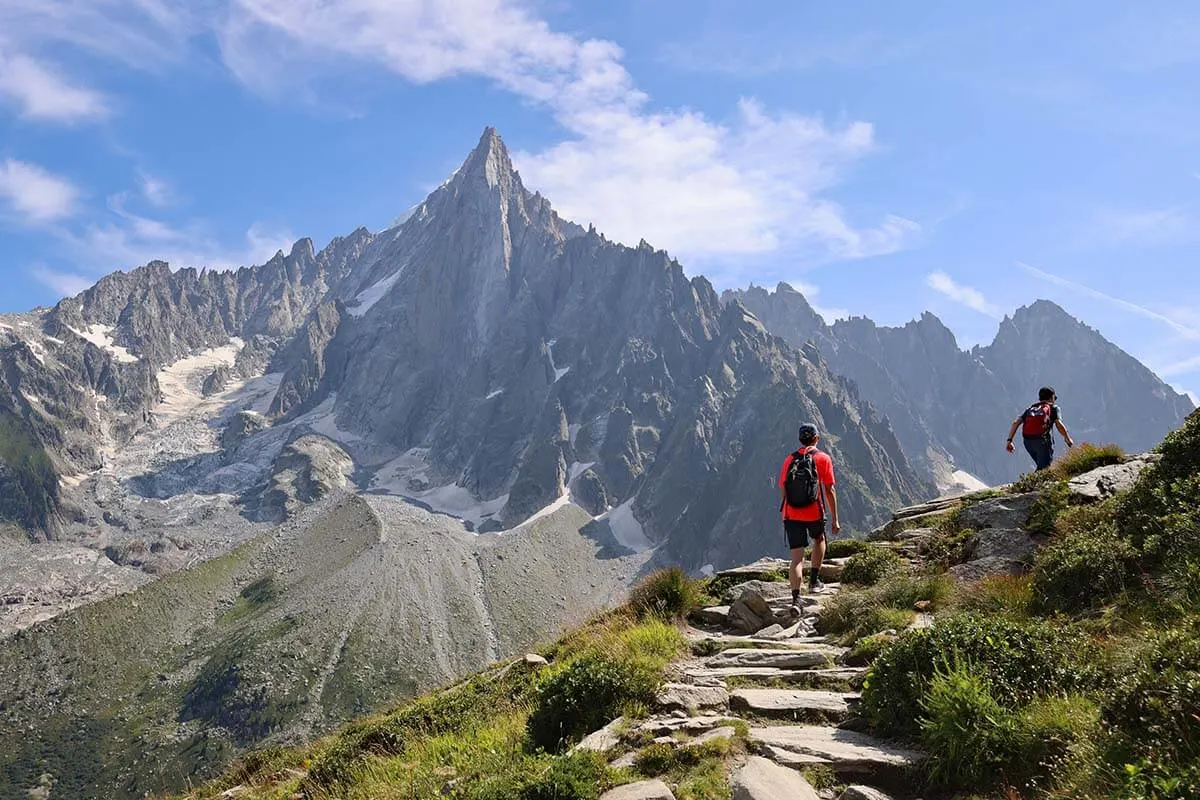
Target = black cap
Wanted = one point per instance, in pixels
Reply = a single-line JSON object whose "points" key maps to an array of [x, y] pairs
{"points": [[808, 433]]}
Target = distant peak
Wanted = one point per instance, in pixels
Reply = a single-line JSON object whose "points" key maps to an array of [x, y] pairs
{"points": [[489, 160]]}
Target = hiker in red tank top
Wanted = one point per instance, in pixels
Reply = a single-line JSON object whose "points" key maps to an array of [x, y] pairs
{"points": [[807, 497]]}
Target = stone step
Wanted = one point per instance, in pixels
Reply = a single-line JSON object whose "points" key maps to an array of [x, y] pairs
{"points": [[749, 642], [809, 677], [800, 705], [848, 753], [783, 658], [761, 779]]}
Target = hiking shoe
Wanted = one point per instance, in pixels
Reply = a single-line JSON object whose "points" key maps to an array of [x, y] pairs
{"points": [[816, 586], [794, 609]]}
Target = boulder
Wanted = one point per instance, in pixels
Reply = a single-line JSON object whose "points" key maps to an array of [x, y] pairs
{"points": [[712, 615], [534, 661], [863, 793], [761, 779], [750, 613], [603, 740], [642, 790], [769, 590], [1009, 511], [690, 697], [1011, 543], [1105, 482], [986, 568], [770, 632]]}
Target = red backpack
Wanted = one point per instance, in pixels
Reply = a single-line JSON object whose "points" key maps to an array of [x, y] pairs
{"points": [[1036, 420]]}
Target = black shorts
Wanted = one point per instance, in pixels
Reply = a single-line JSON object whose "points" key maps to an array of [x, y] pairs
{"points": [[798, 533]]}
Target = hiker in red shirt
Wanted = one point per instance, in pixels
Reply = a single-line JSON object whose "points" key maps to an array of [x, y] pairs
{"points": [[1037, 423], [806, 490]]}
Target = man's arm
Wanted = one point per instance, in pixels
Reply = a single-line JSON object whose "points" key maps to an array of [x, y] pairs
{"points": [[1062, 429], [831, 496], [1008, 445]]}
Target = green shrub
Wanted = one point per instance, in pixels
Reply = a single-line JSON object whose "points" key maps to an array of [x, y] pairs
{"points": [[668, 593], [1019, 659], [998, 594], [904, 590], [970, 736], [1051, 501], [870, 566], [851, 615], [586, 695], [1086, 457], [1086, 564], [576, 776], [867, 649], [1155, 709], [1149, 779], [843, 548], [977, 742]]}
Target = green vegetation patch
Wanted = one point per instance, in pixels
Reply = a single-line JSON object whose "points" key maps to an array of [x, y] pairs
{"points": [[668, 594], [871, 566], [1020, 660]]}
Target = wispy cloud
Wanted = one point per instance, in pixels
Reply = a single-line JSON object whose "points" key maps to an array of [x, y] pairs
{"points": [[1143, 227], [1181, 367], [41, 94], [35, 195], [65, 284], [683, 181], [964, 295], [156, 190], [1185, 330]]}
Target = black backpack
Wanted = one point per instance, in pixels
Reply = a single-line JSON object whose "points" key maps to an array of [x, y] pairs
{"points": [[800, 485]]}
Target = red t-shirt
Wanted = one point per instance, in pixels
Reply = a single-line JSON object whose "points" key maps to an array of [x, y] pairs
{"points": [[816, 511]]}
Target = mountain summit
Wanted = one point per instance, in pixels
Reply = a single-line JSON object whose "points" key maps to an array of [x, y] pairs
{"points": [[951, 407]]}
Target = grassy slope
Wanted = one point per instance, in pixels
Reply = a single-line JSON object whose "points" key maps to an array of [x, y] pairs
{"points": [[478, 739]]}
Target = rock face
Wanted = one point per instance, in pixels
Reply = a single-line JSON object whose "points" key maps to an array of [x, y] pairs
{"points": [[1106, 482], [949, 406]]}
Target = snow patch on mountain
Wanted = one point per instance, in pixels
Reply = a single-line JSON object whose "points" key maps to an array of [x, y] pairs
{"points": [[402, 477], [494, 393], [180, 382], [365, 300], [558, 372], [625, 527], [323, 420], [101, 336]]}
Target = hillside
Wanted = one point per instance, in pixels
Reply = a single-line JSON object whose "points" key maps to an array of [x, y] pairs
{"points": [[1007, 657]]}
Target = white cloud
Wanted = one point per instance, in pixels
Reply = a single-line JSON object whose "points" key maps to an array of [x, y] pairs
{"points": [[1181, 367], [1185, 330], [34, 194], [677, 178], [964, 295], [141, 33], [156, 190], [67, 284], [42, 95]]}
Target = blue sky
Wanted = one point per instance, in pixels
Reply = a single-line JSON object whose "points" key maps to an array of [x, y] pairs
{"points": [[888, 157]]}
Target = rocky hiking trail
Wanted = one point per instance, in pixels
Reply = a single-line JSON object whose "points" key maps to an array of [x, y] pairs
{"points": [[757, 667]]}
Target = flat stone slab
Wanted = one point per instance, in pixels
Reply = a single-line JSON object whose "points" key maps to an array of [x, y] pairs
{"points": [[782, 658], [642, 790], [848, 752], [660, 726], [759, 568], [792, 703], [816, 676], [716, 734], [761, 779], [690, 697], [750, 642]]}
